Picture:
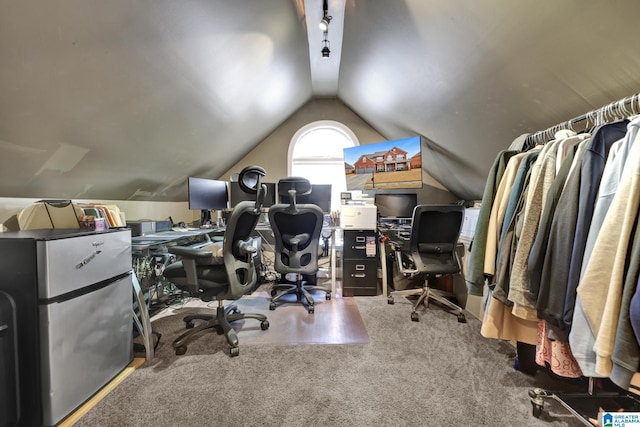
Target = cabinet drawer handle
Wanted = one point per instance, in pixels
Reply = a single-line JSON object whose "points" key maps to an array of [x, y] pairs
{"points": [[359, 239], [359, 267], [358, 247], [359, 275]]}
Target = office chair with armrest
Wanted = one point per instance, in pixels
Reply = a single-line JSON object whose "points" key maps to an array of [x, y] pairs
{"points": [[432, 253], [296, 229], [224, 270]]}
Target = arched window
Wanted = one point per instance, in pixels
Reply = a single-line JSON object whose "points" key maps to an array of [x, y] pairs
{"points": [[316, 153]]}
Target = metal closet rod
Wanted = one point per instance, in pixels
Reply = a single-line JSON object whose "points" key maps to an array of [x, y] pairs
{"points": [[613, 111]]}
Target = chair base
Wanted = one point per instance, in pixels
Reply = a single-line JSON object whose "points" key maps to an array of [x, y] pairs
{"points": [[425, 294], [301, 290], [221, 322]]}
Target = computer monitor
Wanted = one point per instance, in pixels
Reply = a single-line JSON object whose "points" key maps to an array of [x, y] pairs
{"points": [[396, 205], [320, 195], [206, 195], [237, 195]]}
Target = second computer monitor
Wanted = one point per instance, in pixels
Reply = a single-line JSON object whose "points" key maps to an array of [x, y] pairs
{"points": [[396, 205], [237, 195], [320, 195]]}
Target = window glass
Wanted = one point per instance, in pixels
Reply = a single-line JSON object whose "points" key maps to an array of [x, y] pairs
{"points": [[316, 154]]}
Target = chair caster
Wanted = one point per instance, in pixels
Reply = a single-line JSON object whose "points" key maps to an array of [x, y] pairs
{"points": [[327, 297], [311, 309], [390, 300], [272, 306], [414, 317], [234, 351], [461, 318], [190, 324], [181, 350], [264, 325], [537, 403], [273, 292]]}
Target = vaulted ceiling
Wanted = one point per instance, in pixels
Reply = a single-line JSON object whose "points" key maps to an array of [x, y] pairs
{"points": [[123, 100]]}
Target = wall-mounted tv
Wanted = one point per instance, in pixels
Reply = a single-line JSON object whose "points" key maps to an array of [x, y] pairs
{"points": [[385, 165]]}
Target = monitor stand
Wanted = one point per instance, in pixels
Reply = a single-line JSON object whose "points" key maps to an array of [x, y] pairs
{"points": [[205, 217]]}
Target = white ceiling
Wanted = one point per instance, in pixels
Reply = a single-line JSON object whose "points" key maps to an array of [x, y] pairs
{"points": [[123, 100]]}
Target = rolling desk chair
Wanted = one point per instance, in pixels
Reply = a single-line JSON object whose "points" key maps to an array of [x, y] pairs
{"points": [[432, 253], [225, 271], [296, 229]]}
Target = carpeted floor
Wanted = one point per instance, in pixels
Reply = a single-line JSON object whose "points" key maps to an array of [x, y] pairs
{"points": [[434, 372]]}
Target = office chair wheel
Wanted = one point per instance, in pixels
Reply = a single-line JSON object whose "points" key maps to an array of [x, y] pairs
{"points": [[272, 306], [190, 324], [234, 351], [264, 325], [461, 318], [311, 309], [415, 317], [327, 297], [390, 300], [274, 292], [181, 350]]}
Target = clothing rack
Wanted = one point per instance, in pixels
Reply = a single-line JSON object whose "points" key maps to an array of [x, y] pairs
{"points": [[580, 404], [613, 111]]}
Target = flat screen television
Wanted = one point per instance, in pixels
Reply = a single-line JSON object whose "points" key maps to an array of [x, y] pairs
{"points": [[206, 195], [395, 205], [320, 195], [237, 195], [385, 165]]}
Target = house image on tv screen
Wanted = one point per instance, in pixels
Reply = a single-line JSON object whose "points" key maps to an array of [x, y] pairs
{"points": [[393, 164]]}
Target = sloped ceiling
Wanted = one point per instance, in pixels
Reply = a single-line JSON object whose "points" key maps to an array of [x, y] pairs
{"points": [[124, 100]]}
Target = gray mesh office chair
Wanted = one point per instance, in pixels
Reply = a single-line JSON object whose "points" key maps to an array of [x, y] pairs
{"points": [[296, 229], [207, 276], [432, 253]]}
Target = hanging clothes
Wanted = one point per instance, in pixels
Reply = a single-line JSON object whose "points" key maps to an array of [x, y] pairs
{"points": [[626, 353], [475, 270], [591, 173], [600, 289], [547, 276]]}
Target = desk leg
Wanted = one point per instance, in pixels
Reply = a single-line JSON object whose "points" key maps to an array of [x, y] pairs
{"points": [[144, 323], [333, 262], [383, 263]]}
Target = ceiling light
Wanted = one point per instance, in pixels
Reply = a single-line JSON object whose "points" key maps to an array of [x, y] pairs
{"points": [[325, 49], [324, 23]]}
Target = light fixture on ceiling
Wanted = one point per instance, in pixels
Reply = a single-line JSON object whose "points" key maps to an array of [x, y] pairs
{"points": [[325, 48], [324, 22]]}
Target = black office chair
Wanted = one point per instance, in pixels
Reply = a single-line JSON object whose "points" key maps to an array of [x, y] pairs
{"points": [[296, 229], [432, 253], [229, 273]]}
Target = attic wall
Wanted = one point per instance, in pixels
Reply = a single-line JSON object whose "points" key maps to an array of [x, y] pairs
{"points": [[271, 153]]}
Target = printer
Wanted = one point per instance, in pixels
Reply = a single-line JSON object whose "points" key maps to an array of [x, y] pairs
{"points": [[358, 217]]}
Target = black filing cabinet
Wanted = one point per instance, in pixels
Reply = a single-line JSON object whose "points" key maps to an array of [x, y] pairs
{"points": [[360, 263]]}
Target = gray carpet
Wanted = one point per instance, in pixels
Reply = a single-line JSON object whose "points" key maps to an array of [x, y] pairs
{"points": [[436, 372]]}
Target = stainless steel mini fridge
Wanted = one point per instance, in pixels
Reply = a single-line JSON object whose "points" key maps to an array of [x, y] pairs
{"points": [[73, 299]]}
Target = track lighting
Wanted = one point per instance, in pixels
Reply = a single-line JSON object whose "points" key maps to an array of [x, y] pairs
{"points": [[324, 23]]}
